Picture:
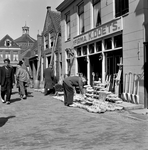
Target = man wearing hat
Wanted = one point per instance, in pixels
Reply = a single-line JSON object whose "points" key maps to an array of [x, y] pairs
{"points": [[7, 81], [48, 75]]}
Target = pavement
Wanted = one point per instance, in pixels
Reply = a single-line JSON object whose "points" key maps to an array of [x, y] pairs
{"points": [[44, 123]]}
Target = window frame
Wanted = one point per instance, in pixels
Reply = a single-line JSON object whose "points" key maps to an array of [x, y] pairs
{"points": [[96, 18], [67, 21], [80, 13], [15, 56], [8, 55], [121, 7]]}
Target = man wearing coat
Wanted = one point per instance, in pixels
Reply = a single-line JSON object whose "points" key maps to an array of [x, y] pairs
{"points": [[48, 80], [7, 81]]}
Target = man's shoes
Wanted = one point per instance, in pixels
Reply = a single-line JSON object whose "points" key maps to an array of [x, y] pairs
{"points": [[24, 97], [7, 102], [72, 105], [3, 101]]}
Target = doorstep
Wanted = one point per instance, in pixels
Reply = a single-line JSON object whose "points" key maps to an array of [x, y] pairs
{"points": [[140, 111], [131, 106]]}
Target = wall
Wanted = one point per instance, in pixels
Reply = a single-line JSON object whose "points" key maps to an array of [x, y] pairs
{"points": [[133, 38], [106, 15]]}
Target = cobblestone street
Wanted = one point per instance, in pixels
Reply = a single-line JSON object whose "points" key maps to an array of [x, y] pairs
{"points": [[44, 123]]}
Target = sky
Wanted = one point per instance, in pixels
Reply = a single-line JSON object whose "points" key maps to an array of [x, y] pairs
{"points": [[15, 13]]}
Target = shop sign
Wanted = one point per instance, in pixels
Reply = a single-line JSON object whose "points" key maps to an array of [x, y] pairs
{"points": [[104, 30]]}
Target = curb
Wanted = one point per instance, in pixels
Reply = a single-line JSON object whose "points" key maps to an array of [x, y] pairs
{"points": [[130, 106]]}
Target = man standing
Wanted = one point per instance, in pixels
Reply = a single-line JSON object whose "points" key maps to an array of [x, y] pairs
{"points": [[25, 67], [48, 80], [6, 81]]}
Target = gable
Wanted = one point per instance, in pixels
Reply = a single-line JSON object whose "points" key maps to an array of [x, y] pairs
{"points": [[8, 42], [48, 23], [52, 22]]}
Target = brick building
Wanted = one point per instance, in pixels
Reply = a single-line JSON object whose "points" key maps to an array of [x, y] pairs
{"points": [[104, 33], [9, 49], [51, 31], [25, 42]]}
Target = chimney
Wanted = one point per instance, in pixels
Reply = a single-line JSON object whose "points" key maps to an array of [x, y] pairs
{"points": [[48, 8]]}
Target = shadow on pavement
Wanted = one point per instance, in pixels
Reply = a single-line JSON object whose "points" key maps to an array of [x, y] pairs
{"points": [[15, 100], [14, 93], [3, 120], [29, 94]]}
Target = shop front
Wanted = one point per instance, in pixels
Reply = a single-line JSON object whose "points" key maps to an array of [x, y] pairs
{"points": [[99, 52]]}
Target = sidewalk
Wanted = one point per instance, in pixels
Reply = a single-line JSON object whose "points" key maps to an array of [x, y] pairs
{"points": [[131, 106]]}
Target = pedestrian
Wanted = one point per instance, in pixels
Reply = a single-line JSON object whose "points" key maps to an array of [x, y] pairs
{"points": [[69, 85], [22, 78], [30, 76], [48, 75], [7, 81]]}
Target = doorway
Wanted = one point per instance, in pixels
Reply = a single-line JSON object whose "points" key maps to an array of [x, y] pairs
{"points": [[95, 67], [82, 66], [112, 60]]}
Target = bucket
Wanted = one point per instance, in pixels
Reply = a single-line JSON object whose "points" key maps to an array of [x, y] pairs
{"points": [[36, 84]]}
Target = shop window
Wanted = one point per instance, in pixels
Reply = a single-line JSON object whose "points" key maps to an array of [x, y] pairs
{"points": [[85, 50], [68, 26], [118, 41], [91, 48], [81, 18], [108, 43], [96, 13], [99, 46], [79, 52], [121, 7]]}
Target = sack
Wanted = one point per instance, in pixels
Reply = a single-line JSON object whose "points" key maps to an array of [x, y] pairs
{"points": [[58, 88], [61, 81]]}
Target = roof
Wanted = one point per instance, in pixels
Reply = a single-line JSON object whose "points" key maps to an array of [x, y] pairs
{"points": [[30, 52], [25, 38], [64, 5], [52, 21], [7, 37]]}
